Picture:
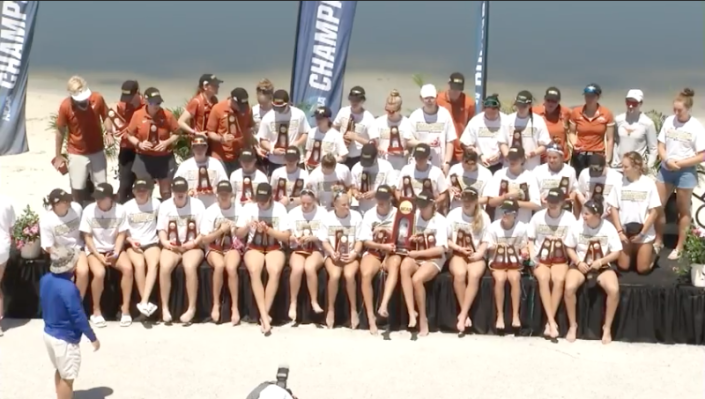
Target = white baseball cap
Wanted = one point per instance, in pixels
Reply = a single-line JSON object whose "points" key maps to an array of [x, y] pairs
{"points": [[636, 94], [428, 90], [82, 95], [274, 392]]}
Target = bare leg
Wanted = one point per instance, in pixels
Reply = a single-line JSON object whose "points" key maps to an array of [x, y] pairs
{"points": [[232, 261], [475, 272], [168, 261], [543, 277], [138, 263], [191, 260], [369, 267], [391, 265], [558, 275], [608, 281], [683, 202], [573, 280], [98, 271], [151, 256], [459, 270], [645, 257], [334, 274], [664, 193], [426, 272], [274, 262], [296, 263], [254, 261], [126, 281], [313, 264], [500, 280], [514, 277], [64, 388], [350, 273], [217, 261], [407, 270], [82, 274]]}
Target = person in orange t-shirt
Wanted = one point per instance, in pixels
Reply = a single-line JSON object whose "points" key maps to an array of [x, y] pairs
{"points": [[461, 108], [230, 127], [556, 117], [81, 120], [153, 131], [194, 119], [130, 101], [591, 130]]}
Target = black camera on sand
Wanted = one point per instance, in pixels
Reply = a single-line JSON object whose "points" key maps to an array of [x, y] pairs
{"points": [[277, 389]]}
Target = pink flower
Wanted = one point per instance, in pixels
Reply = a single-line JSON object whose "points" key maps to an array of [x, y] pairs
{"points": [[20, 244], [34, 229]]}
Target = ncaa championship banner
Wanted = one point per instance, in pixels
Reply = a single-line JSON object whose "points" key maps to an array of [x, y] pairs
{"points": [[481, 67]]}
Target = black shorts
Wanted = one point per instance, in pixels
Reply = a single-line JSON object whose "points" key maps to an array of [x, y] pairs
{"points": [[494, 168], [231, 166], [350, 162], [154, 167]]}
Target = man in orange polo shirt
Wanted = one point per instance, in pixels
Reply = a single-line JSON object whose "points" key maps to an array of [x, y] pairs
{"points": [[556, 117], [461, 108], [230, 127]]}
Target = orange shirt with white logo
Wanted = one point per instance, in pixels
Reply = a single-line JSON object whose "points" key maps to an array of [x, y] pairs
{"points": [[126, 110], [141, 123], [85, 127], [557, 123], [219, 122], [200, 108], [462, 110], [591, 131]]}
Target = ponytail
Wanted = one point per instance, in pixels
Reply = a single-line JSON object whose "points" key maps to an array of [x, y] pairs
{"points": [[477, 222]]}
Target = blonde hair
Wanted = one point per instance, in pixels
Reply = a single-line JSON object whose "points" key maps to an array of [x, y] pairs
{"points": [[636, 160], [477, 222], [686, 97], [265, 85], [394, 100], [76, 84], [329, 160]]}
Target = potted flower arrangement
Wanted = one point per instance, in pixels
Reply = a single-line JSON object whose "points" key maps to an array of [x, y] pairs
{"points": [[692, 260], [26, 234]]}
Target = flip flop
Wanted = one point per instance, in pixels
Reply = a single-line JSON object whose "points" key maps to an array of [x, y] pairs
{"points": [[658, 248], [674, 255], [98, 321], [143, 308], [125, 320], [151, 308]]}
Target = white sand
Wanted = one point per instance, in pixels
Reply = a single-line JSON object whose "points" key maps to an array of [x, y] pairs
{"points": [[208, 361]]}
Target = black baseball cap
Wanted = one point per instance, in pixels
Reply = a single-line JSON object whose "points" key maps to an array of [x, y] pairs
{"points": [[143, 184], [383, 193], [554, 196], [280, 98], [103, 190], [264, 192], [552, 93], [248, 155], [424, 199], [239, 95], [179, 185], [356, 93], [457, 81], [524, 97], [509, 206], [292, 153], [129, 88], [469, 193], [422, 150], [596, 165], [594, 207], [323, 113], [368, 154], [515, 154], [58, 195], [199, 140], [209, 79], [153, 96], [224, 187], [593, 88]]}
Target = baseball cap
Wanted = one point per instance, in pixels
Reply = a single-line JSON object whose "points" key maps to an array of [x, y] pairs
{"points": [[179, 185], [594, 207], [247, 155], [129, 88], [264, 192], [422, 150], [368, 154], [199, 140], [428, 90], [509, 206], [103, 190], [524, 97], [554, 147], [292, 153], [280, 98], [554, 196], [153, 96], [469, 193], [596, 165], [593, 88], [457, 81], [491, 101], [635, 94], [58, 195], [274, 391], [552, 93], [424, 199], [383, 193], [208, 79], [82, 96], [224, 187], [515, 154], [323, 113], [239, 95], [143, 184], [357, 93]]}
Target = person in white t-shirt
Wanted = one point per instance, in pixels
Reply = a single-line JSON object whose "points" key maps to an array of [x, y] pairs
{"points": [[265, 89], [246, 179], [506, 239], [339, 236], [265, 224], [596, 182], [178, 224], [355, 123], [368, 174], [104, 227], [468, 224], [324, 139], [634, 209], [375, 234], [282, 127], [222, 248], [635, 131], [467, 174], [593, 245], [327, 179], [556, 174], [433, 125], [59, 227], [288, 181], [7, 222], [422, 176], [425, 259], [307, 256], [394, 123], [143, 249], [525, 130], [547, 234], [202, 172], [681, 147], [514, 183], [483, 132]]}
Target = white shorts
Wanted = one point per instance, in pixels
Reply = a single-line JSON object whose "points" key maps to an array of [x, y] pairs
{"points": [[65, 357], [80, 166]]}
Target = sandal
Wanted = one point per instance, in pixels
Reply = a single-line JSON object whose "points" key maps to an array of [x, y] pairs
{"points": [[674, 255], [151, 308], [125, 320], [657, 248], [143, 308], [98, 321]]}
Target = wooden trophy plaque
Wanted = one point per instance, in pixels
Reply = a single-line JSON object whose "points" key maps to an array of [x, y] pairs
{"points": [[565, 188], [204, 182], [407, 188], [513, 261], [282, 136], [247, 189], [191, 230], [404, 227], [427, 186], [524, 187], [258, 241], [365, 182], [500, 260], [426, 241], [380, 237], [545, 257], [598, 192], [395, 145], [455, 182], [280, 191], [516, 139], [298, 187], [172, 234], [558, 253], [342, 246], [233, 125], [153, 134], [593, 253], [463, 239], [503, 187], [350, 128], [271, 244], [117, 120], [307, 248], [315, 157]]}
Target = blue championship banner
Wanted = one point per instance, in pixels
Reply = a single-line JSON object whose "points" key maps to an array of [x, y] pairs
{"points": [[16, 34], [322, 40], [483, 29]]}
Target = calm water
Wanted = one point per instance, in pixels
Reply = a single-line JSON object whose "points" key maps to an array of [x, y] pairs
{"points": [[557, 42]]}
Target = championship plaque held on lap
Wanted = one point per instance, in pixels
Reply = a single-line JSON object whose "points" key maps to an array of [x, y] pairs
{"points": [[341, 242], [191, 230], [173, 233], [403, 226], [463, 239], [315, 156], [516, 139], [282, 135], [306, 248], [204, 182], [247, 190], [565, 189], [407, 189]]}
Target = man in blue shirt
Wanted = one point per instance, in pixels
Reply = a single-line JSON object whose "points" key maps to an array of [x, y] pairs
{"points": [[64, 319]]}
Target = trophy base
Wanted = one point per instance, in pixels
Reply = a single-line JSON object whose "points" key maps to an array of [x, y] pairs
{"points": [[395, 150]]}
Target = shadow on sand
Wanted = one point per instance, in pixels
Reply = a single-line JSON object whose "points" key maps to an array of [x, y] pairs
{"points": [[93, 393], [9, 324]]}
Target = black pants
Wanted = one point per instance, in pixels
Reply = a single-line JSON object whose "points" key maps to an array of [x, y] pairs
{"points": [[494, 168], [231, 166], [580, 160], [126, 158], [350, 162]]}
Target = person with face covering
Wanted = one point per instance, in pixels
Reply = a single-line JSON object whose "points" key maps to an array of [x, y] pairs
{"points": [[246, 179], [285, 126], [130, 101], [514, 183], [556, 174], [591, 129], [178, 224], [327, 179], [339, 237], [483, 132], [468, 224], [525, 131], [324, 139], [635, 131], [368, 174], [222, 248], [356, 125], [288, 181], [593, 245], [266, 225], [422, 175], [203, 173], [195, 117], [81, 120], [468, 173], [104, 227], [556, 117], [547, 234], [433, 126], [307, 251]]}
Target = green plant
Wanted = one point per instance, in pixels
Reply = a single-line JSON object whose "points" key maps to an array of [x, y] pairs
{"points": [[26, 228], [693, 252], [110, 151], [658, 118], [182, 148]]}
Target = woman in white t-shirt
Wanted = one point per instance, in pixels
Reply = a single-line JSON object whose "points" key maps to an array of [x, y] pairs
{"points": [[506, 238], [433, 125], [596, 182], [556, 174], [104, 227], [635, 131], [59, 227], [7, 222], [375, 234], [355, 123], [288, 181], [547, 234], [681, 147], [143, 249], [223, 248], [394, 123], [468, 225], [483, 132], [202, 187], [327, 179], [368, 174], [593, 245], [423, 262], [467, 174], [525, 130], [324, 139], [514, 183], [634, 209], [178, 223], [421, 176], [339, 237], [265, 224], [306, 257], [246, 179]]}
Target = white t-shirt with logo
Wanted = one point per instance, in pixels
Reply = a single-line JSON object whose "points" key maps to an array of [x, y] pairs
{"points": [[380, 173], [363, 127], [515, 237], [682, 140], [635, 199], [549, 179], [435, 130], [322, 184], [257, 114], [215, 215], [216, 173], [514, 183], [534, 133], [331, 143], [168, 212], [61, 231], [256, 178], [351, 226], [291, 179], [459, 221], [276, 216], [142, 221], [478, 179], [372, 219], [7, 222], [542, 225], [484, 134], [383, 127], [303, 223], [639, 135], [581, 235], [438, 227], [104, 226], [587, 184], [268, 129], [420, 179]]}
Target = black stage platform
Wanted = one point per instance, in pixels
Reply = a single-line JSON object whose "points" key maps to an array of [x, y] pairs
{"points": [[653, 308]]}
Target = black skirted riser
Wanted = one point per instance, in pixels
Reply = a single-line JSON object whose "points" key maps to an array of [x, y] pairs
{"points": [[666, 314]]}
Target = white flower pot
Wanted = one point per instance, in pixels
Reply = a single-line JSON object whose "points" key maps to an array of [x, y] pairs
{"points": [[697, 275], [31, 250]]}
